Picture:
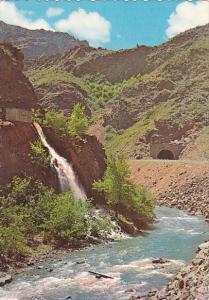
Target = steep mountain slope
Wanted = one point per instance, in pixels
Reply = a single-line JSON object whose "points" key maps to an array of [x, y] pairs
{"points": [[36, 43], [177, 91], [133, 90]]}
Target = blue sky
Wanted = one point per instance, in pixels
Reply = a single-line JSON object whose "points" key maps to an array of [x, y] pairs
{"points": [[111, 24]]}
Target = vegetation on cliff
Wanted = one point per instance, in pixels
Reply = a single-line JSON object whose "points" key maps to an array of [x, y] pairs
{"points": [[75, 125], [39, 153]]}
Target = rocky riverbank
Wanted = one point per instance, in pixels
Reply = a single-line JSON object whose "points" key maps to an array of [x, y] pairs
{"points": [[183, 185], [179, 184], [191, 283]]}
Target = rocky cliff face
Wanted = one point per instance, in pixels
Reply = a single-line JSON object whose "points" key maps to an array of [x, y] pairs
{"points": [[36, 43], [15, 140], [87, 157], [15, 137], [15, 89]]}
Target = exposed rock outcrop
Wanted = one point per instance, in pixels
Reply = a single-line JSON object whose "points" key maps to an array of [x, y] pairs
{"points": [[87, 157], [15, 89], [15, 137], [15, 140]]}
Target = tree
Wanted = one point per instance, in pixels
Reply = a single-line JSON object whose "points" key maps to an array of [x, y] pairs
{"points": [[57, 121], [78, 123], [122, 195]]}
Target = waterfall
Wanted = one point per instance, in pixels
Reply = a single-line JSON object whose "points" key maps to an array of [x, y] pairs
{"points": [[67, 177]]}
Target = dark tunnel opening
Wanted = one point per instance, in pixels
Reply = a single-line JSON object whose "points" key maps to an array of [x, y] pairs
{"points": [[166, 154]]}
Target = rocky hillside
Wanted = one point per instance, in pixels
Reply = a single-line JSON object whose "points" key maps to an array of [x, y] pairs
{"points": [[37, 43], [130, 91]]}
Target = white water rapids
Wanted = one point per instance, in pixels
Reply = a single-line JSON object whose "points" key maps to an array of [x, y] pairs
{"points": [[67, 177]]}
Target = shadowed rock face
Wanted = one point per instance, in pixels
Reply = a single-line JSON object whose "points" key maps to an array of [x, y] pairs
{"points": [[15, 89], [36, 43], [15, 141], [15, 137], [87, 157]]}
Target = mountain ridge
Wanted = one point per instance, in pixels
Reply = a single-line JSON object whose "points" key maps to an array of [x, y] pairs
{"points": [[38, 42]]}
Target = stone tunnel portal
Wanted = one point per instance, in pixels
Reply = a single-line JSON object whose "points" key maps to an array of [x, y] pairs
{"points": [[166, 154]]}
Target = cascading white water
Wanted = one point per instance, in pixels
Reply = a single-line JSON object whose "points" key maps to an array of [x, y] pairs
{"points": [[67, 177]]}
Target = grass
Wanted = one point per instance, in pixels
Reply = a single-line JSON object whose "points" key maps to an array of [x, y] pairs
{"points": [[53, 75]]}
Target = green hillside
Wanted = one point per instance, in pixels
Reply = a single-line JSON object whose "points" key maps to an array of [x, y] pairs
{"points": [[168, 82]]}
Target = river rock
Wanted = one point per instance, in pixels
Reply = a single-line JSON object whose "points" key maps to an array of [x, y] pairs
{"points": [[5, 279], [130, 290], [160, 260], [80, 262], [192, 282]]}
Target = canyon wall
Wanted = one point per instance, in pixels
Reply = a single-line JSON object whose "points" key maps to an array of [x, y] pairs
{"points": [[87, 157]]}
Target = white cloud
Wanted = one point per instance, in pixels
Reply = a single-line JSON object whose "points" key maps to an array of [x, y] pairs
{"points": [[90, 26], [10, 14], [54, 11], [188, 15]]}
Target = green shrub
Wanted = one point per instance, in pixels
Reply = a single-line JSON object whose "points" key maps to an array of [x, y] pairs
{"points": [[122, 195], [78, 123], [57, 121], [13, 239], [28, 209], [39, 153], [67, 220], [74, 222]]}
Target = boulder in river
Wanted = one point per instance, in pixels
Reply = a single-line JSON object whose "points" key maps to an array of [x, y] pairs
{"points": [[160, 260], [5, 279]]}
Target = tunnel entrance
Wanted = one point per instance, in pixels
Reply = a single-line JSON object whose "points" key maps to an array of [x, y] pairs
{"points": [[166, 154]]}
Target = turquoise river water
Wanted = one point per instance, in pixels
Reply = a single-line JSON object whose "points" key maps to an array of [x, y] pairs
{"points": [[175, 236]]}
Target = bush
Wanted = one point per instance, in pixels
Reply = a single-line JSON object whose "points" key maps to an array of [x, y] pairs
{"points": [[56, 121], [122, 195], [39, 154], [67, 220], [12, 237], [78, 123], [28, 208]]}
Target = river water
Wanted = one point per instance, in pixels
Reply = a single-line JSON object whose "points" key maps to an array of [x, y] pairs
{"points": [[176, 236]]}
